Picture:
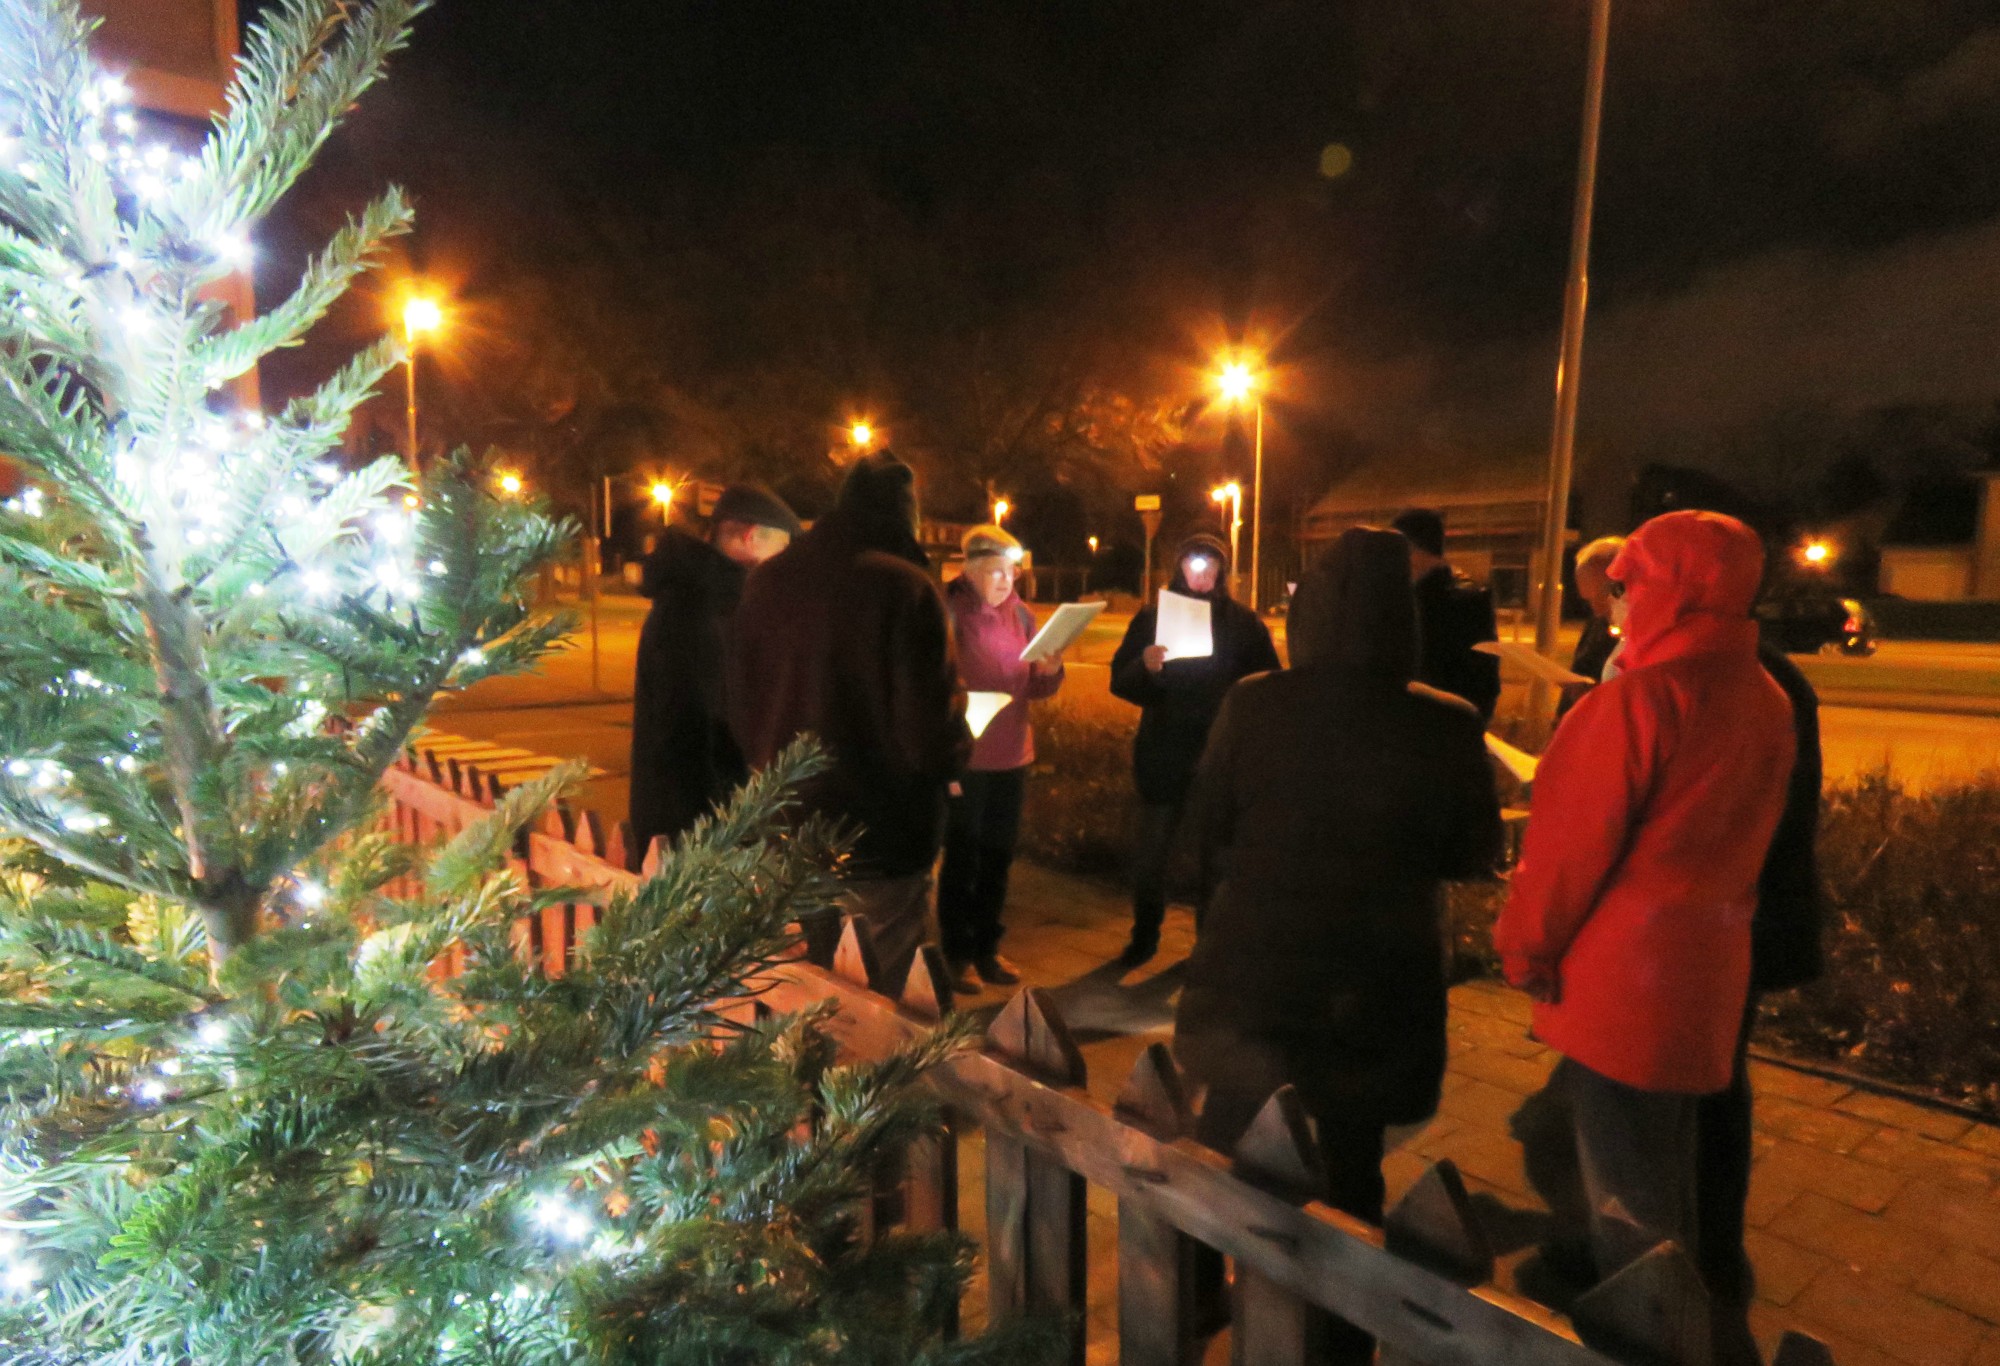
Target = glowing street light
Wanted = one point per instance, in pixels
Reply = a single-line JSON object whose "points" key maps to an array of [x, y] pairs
{"points": [[662, 493], [860, 435], [1232, 494], [511, 483], [1818, 554], [421, 315], [1093, 545], [1001, 507], [1239, 382]]}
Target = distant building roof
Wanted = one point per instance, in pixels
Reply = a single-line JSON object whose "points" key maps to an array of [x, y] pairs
{"points": [[1495, 490]]}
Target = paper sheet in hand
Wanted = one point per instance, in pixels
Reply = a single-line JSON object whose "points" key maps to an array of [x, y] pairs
{"points": [[1182, 625], [1060, 631], [1518, 762], [1527, 657], [982, 707]]}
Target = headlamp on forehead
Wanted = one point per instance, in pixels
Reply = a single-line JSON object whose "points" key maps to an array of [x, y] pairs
{"points": [[1199, 562], [1013, 553]]}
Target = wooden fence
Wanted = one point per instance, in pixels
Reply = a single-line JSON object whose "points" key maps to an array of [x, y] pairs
{"points": [[1421, 1285]]}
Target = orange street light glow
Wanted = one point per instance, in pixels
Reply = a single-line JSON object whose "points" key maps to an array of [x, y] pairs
{"points": [[860, 434], [1093, 545], [1227, 492], [662, 493], [421, 314], [1817, 552], [1236, 382], [510, 483], [1001, 507]]}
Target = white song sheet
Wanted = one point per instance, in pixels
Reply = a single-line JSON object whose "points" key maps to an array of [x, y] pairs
{"points": [[1518, 762], [1060, 631], [981, 708], [1528, 658], [1182, 625]]}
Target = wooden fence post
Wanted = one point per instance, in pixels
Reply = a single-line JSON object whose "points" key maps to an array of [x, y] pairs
{"points": [[1159, 1276], [1652, 1312], [930, 1168], [1270, 1326], [1035, 1259], [1434, 1226]]}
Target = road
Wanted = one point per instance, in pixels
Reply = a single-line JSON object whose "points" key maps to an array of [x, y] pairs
{"points": [[1930, 712]]}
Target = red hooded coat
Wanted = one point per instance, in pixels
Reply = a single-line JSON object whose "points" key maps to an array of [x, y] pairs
{"points": [[1653, 808]]}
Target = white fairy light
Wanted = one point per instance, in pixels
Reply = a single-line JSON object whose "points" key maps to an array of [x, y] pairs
{"points": [[560, 1218], [233, 248], [317, 583], [213, 1033], [127, 764], [19, 1276], [309, 893], [152, 1090], [170, 1067], [136, 320], [255, 590], [438, 567], [392, 528], [19, 768], [113, 90], [85, 822], [473, 657]]}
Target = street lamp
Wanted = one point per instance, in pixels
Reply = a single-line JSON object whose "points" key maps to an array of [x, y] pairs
{"points": [[1093, 545], [1001, 507], [1238, 382], [510, 483], [1232, 494], [1576, 295], [1818, 554], [421, 314], [859, 435]]}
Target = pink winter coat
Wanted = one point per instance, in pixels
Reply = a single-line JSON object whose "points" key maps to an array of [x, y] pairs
{"points": [[990, 641], [1653, 808]]}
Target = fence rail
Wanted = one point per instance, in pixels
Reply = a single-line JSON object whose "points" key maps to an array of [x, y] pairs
{"points": [[1421, 1285]]}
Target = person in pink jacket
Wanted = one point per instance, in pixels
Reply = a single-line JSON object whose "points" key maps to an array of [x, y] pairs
{"points": [[983, 819], [1629, 915]]}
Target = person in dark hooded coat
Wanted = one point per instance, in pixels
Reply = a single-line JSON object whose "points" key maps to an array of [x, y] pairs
{"points": [[684, 760], [844, 636], [1331, 802], [1178, 700]]}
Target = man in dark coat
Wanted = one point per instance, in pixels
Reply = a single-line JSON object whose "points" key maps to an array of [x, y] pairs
{"points": [[1453, 615], [684, 761], [1178, 700], [1332, 800], [1785, 952], [845, 636]]}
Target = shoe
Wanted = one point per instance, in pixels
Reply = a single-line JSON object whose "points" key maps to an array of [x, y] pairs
{"points": [[1138, 953], [961, 979], [996, 971]]}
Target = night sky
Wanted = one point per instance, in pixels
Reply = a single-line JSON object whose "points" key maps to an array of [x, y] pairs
{"points": [[787, 209]]}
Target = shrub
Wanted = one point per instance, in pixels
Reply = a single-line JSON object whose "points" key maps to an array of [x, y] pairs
{"points": [[1081, 807]]}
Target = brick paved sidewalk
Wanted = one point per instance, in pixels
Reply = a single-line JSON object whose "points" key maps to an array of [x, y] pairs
{"points": [[1875, 1222]]}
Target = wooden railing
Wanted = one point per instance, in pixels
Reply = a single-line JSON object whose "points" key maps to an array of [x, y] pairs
{"points": [[1421, 1285]]}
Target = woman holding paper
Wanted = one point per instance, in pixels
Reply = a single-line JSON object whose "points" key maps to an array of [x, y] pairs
{"points": [[993, 627]]}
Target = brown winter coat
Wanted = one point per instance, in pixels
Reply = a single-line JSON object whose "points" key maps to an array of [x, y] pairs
{"points": [[1331, 801]]}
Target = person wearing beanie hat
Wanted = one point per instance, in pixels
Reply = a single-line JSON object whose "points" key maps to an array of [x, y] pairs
{"points": [[991, 626], [844, 637], [684, 761], [1332, 800], [1177, 701]]}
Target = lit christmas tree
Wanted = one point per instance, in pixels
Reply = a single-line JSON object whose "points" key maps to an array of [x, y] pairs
{"points": [[247, 1119]]}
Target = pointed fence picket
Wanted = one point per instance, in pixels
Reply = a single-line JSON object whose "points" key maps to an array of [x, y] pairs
{"points": [[1420, 1285]]}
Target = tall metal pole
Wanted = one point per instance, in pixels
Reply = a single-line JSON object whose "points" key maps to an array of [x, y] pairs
{"points": [[410, 390], [1257, 510], [1562, 445]]}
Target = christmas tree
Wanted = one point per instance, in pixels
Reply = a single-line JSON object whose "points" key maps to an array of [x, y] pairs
{"points": [[247, 1117]]}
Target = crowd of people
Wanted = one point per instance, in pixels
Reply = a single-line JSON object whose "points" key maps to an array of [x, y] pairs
{"points": [[1666, 877]]}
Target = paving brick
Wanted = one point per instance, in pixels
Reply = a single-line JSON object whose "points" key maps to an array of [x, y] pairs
{"points": [[1493, 1158], [1988, 1351], [1854, 1183], [1768, 1199], [1770, 1324], [1767, 1079], [1950, 1215], [1783, 1268], [1523, 1076], [1867, 1243], [1812, 1124], [1921, 1119], [1982, 1138], [1965, 1280], [1481, 1103], [1948, 1164], [1894, 1320]]}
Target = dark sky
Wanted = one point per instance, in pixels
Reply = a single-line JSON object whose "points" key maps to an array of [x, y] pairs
{"points": [[1795, 193]]}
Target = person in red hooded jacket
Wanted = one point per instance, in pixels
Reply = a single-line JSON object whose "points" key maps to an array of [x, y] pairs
{"points": [[1629, 914]]}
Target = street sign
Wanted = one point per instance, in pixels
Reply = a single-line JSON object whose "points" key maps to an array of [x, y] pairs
{"points": [[1148, 507], [1146, 502]]}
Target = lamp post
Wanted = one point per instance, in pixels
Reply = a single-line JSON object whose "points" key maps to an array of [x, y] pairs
{"points": [[1232, 494], [860, 435], [1576, 297], [421, 314], [662, 494], [1001, 507], [1238, 382]]}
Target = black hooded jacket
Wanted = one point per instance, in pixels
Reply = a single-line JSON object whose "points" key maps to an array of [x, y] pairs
{"points": [[1332, 800], [683, 758], [843, 635], [1178, 704]]}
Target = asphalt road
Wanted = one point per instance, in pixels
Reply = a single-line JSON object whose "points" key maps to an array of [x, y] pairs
{"points": [[1929, 712]]}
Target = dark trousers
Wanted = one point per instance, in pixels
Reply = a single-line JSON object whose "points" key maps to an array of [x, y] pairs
{"points": [[1722, 1174], [1151, 851], [1635, 1154], [1351, 1147], [982, 826]]}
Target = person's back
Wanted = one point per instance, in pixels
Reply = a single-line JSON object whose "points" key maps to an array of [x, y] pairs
{"points": [[844, 637], [1453, 615]]}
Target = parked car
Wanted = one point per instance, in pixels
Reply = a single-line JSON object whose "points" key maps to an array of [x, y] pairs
{"points": [[1806, 623]]}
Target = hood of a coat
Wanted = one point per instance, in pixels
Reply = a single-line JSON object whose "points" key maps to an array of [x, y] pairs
{"points": [[1685, 569], [1208, 545], [686, 565], [1354, 612], [877, 509]]}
